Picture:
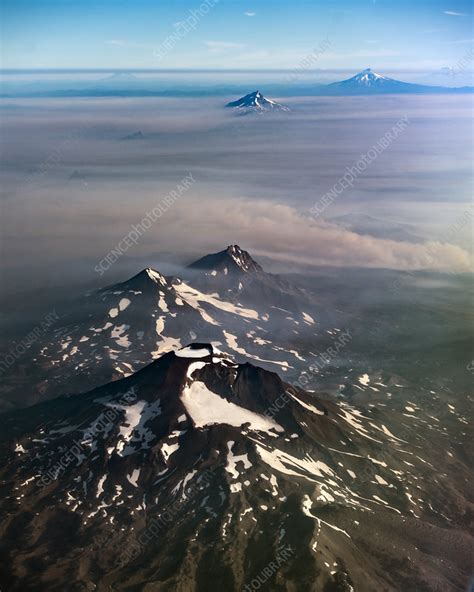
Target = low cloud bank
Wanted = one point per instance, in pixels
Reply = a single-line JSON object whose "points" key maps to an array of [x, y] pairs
{"points": [[281, 232]]}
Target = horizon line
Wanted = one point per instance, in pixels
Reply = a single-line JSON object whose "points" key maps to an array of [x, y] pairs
{"points": [[198, 70]]}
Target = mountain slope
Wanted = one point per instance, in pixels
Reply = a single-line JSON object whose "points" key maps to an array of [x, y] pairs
{"points": [[113, 332], [198, 470]]}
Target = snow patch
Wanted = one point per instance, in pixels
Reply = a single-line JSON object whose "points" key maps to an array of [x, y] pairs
{"points": [[307, 406], [133, 478], [233, 459], [190, 352], [208, 408]]}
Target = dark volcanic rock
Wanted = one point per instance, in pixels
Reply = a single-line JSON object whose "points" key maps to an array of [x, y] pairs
{"points": [[196, 471]]}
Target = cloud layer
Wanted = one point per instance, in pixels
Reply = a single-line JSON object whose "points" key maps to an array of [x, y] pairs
{"points": [[73, 184], [281, 232]]}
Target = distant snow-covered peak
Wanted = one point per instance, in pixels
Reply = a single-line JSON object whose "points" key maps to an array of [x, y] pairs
{"points": [[369, 77], [255, 101]]}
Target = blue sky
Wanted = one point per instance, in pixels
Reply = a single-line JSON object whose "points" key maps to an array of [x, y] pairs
{"points": [[405, 34]]}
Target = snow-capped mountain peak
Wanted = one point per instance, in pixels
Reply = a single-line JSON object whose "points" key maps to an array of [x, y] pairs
{"points": [[155, 276], [148, 279], [230, 260], [368, 81], [255, 101], [368, 77], [243, 259]]}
